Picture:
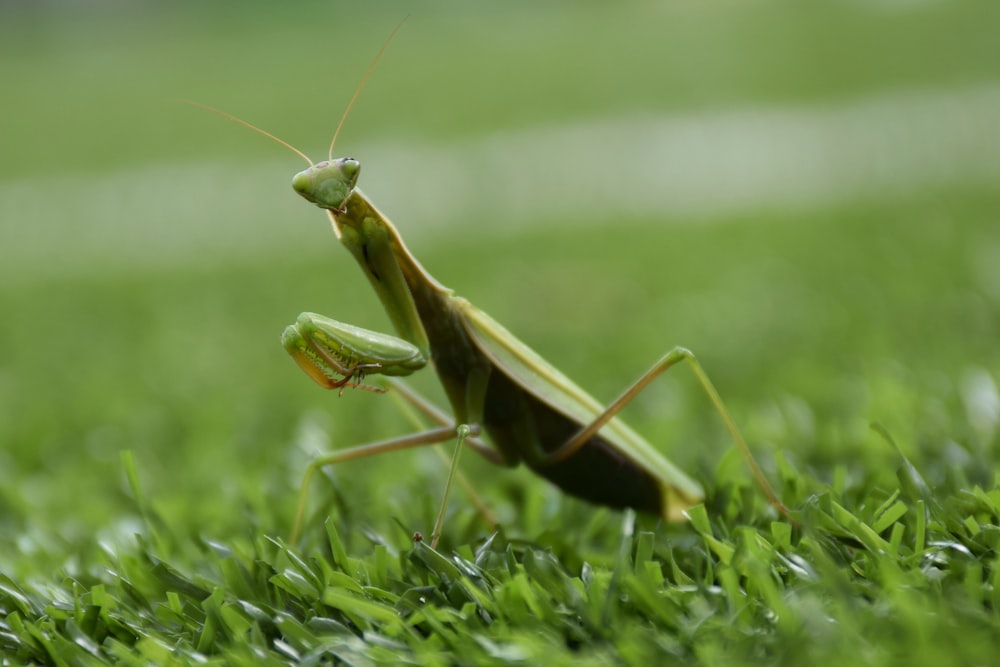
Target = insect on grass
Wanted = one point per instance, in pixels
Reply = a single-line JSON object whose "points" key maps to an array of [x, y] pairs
{"points": [[508, 404]]}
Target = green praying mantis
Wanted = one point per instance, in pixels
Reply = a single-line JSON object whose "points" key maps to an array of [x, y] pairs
{"points": [[499, 389]]}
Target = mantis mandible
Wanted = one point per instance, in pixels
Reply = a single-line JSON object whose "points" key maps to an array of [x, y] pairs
{"points": [[497, 386]]}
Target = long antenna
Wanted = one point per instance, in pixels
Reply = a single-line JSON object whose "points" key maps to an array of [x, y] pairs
{"points": [[364, 80], [250, 126]]}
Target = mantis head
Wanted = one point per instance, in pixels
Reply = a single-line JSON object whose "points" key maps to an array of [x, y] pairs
{"points": [[328, 184]]}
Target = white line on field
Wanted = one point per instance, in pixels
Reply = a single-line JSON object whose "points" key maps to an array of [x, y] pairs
{"points": [[677, 167]]}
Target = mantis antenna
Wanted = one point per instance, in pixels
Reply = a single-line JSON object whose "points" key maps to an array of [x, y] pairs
{"points": [[343, 118], [364, 81], [251, 127]]}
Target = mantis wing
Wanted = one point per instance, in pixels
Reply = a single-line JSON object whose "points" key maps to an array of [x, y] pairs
{"points": [[550, 386]]}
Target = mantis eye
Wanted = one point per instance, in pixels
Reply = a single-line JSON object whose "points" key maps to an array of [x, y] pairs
{"points": [[350, 168]]}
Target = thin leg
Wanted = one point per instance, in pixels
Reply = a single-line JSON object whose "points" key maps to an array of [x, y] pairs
{"points": [[463, 432], [438, 416], [664, 364], [430, 437], [410, 398]]}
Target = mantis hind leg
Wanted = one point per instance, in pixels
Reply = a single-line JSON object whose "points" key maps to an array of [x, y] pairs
{"points": [[665, 363]]}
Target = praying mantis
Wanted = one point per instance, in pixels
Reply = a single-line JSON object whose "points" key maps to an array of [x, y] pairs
{"points": [[508, 404]]}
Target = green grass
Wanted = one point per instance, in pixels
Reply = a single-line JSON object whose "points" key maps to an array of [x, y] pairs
{"points": [[153, 433]]}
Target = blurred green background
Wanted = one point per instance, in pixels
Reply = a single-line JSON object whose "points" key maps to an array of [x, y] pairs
{"points": [[805, 194]]}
